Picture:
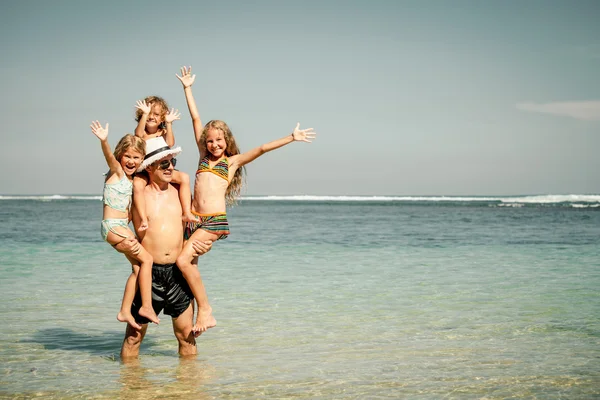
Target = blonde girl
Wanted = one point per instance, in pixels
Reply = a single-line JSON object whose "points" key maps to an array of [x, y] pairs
{"points": [[123, 163], [218, 183], [155, 120]]}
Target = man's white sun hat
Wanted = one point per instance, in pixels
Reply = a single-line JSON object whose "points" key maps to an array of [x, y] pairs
{"points": [[156, 149]]}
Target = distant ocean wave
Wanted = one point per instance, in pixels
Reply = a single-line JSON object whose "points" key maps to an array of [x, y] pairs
{"points": [[541, 199], [50, 197], [574, 200]]}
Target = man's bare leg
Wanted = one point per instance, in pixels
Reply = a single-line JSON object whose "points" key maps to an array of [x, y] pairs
{"points": [[132, 341], [182, 328]]}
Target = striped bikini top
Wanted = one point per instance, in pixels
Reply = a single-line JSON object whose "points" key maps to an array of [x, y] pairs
{"points": [[221, 169], [118, 195]]}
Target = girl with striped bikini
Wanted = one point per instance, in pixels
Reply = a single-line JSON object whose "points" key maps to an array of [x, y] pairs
{"points": [[218, 184]]}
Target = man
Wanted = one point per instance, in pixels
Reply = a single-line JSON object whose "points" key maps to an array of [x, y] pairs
{"points": [[163, 240]]}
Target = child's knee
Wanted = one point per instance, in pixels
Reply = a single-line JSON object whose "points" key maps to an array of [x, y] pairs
{"points": [[181, 264], [184, 260], [147, 258]]}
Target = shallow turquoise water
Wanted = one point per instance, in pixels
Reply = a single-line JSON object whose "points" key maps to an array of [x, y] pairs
{"points": [[318, 299]]}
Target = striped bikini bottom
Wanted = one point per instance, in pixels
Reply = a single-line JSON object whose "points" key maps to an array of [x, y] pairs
{"points": [[213, 223]]}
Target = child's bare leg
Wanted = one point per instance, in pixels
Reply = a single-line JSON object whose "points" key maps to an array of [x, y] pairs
{"points": [[142, 270], [145, 285], [124, 314], [204, 319], [139, 184], [185, 195]]}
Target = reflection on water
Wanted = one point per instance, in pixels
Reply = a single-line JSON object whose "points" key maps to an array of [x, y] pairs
{"points": [[185, 380]]}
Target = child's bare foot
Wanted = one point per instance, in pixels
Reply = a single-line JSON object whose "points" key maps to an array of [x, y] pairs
{"points": [[143, 225], [204, 321], [148, 312], [128, 318], [189, 217]]}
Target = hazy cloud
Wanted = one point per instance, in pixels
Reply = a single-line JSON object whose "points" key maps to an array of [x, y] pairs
{"points": [[584, 110]]}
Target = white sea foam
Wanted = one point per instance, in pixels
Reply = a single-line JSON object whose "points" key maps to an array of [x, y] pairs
{"points": [[532, 199], [50, 197], [554, 198], [580, 200]]}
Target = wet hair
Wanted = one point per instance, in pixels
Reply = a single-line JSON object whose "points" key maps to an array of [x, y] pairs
{"points": [[152, 101], [129, 141], [235, 186]]}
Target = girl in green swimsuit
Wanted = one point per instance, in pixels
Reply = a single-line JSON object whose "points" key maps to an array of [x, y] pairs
{"points": [[127, 157]]}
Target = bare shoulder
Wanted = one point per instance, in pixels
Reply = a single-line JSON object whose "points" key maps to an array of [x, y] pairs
{"points": [[115, 177], [233, 160]]}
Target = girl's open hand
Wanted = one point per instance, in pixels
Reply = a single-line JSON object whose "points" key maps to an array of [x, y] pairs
{"points": [[186, 78], [99, 131], [303, 135], [141, 105], [172, 115]]}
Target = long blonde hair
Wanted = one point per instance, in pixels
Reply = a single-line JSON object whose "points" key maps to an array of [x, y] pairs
{"points": [[235, 186]]}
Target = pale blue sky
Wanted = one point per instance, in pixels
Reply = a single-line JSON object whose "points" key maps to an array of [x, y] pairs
{"points": [[407, 97]]}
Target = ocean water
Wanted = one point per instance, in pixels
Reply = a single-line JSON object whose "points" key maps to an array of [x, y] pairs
{"points": [[319, 297]]}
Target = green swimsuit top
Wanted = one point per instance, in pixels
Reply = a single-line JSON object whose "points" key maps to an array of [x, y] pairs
{"points": [[118, 195]]}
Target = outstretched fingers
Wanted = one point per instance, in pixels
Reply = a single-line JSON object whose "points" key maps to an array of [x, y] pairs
{"points": [[186, 78], [173, 115], [309, 135], [98, 130], [142, 105], [304, 135]]}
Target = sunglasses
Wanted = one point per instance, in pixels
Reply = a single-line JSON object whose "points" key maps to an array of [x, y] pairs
{"points": [[166, 163]]}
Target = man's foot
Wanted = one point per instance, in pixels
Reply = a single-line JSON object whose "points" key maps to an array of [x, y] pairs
{"points": [[148, 312], [204, 321], [189, 217], [128, 318]]}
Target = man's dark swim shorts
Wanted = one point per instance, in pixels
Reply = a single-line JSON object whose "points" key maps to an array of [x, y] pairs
{"points": [[170, 293]]}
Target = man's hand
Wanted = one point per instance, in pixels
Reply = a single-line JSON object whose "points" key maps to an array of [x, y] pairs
{"points": [[201, 248], [129, 245]]}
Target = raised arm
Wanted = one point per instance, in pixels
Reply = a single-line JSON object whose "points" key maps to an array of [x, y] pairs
{"points": [[187, 80], [299, 135], [102, 134], [140, 129], [169, 118]]}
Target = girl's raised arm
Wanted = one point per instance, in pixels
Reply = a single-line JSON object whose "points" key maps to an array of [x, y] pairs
{"points": [[102, 134], [187, 80], [299, 135], [140, 129], [169, 118]]}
